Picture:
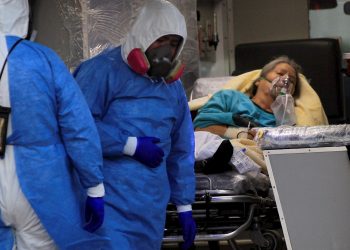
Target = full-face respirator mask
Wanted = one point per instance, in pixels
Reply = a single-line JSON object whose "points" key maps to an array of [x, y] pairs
{"points": [[283, 105], [156, 63]]}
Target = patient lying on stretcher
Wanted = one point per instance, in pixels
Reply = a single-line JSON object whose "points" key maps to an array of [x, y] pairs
{"points": [[225, 124]]}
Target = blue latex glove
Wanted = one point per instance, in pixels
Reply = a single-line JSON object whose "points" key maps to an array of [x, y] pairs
{"points": [[148, 152], [94, 213], [189, 230]]}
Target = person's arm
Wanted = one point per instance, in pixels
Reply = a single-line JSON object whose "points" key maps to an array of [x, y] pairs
{"points": [[94, 78], [180, 161], [99, 84], [215, 129], [180, 168], [77, 128], [81, 140], [219, 110], [217, 115]]}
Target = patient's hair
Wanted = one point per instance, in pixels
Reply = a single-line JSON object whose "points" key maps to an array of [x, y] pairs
{"points": [[271, 65]]}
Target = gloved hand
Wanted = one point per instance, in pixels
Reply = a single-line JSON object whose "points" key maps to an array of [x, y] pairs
{"points": [[148, 152], [94, 213], [189, 230]]}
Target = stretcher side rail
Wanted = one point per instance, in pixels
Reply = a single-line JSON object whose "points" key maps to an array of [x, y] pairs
{"points": [[239, 221], [217, 237]]}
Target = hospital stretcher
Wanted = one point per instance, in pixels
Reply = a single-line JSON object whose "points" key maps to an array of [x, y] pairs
{"points": [[228, 206]]}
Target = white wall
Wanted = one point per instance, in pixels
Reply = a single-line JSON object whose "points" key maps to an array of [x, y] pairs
{"points": [[331, 23]]}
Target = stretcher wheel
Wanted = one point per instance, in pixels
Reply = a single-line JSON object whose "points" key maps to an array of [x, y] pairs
{"points": [[273, 239]]}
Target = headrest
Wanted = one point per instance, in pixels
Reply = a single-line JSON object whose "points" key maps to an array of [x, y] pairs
{"points": [[319, 58]]}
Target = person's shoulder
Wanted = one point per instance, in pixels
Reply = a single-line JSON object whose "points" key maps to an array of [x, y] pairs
{"points": [[39, 47], [109, 55], [25, 43], [30, 51], [35, 48], [110, 58], [107, 63], [177, 84]]}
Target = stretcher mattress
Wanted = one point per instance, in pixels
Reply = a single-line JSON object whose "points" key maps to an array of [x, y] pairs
{"points": [[303, 137], [237, 183]]}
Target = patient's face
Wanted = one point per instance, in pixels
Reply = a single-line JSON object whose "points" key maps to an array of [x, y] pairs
{"points": [[280, 70]]}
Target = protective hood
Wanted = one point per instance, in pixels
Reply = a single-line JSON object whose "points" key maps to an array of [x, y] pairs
{"points": [[156, 19], [14, 17]]}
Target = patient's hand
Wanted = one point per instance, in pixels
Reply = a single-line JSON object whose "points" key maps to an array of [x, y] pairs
{"points": [[252, 133], [215, 129]]}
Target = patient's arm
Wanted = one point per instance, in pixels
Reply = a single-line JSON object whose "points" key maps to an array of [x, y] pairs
{"points": [[215, 129], [229, 132]]}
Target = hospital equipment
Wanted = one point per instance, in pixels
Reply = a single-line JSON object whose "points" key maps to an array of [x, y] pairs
{"points": [[310, 180], [228, 206], [304, 186]]}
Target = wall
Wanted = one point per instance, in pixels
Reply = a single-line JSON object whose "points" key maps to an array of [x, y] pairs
{"points": [[46, 20], [331, 23], [269, 20], [243, 21], [214, 61]]}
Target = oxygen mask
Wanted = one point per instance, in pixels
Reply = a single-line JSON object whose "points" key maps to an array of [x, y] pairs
{"points": [[283, 105], [281, 85]]}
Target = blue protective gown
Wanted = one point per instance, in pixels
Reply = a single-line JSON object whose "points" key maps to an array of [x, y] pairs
{"points": [[125, 104], [54, 139], [223, 105]]}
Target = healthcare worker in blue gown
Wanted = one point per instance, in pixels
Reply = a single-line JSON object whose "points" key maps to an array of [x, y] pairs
{"points": [[141, 112], [52, 142]]}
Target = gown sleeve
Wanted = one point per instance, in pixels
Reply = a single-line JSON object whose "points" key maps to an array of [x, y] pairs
{"points": [[180, 162], [95, 78]]}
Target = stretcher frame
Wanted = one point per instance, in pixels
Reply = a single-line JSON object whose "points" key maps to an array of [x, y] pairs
{"points": [[249, 212]]}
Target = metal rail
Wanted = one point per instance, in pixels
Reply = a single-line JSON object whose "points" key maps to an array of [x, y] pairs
{"points": [[217, 237]]}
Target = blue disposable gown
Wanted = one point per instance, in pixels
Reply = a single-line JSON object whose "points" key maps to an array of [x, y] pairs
{"points": [[54, 139], [223, 105], [125, 104]]}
